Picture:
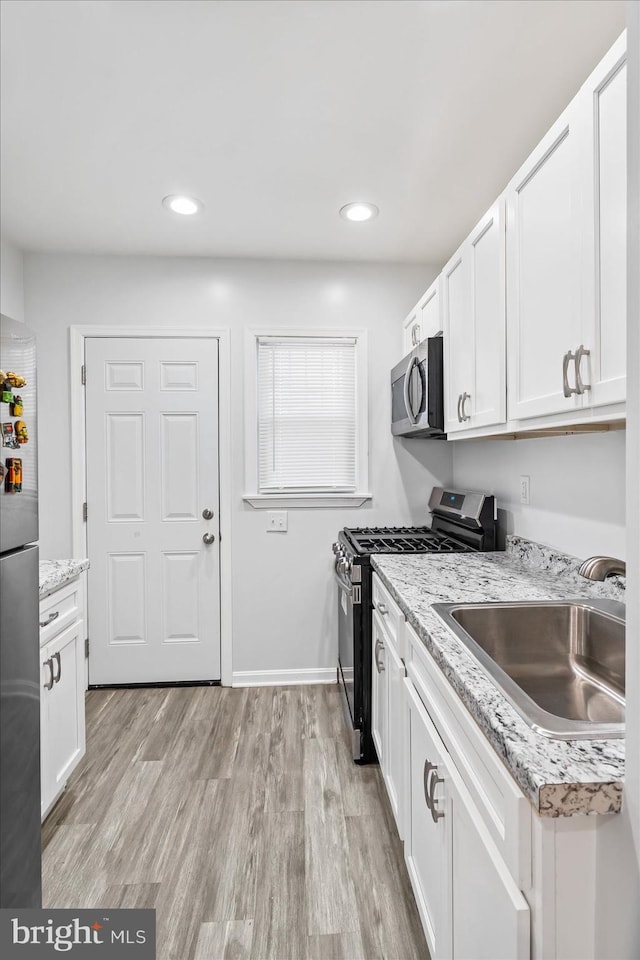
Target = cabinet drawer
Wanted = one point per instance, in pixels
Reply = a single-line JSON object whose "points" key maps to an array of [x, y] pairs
{"points": [[390, 614], [504, 809], [59, 609]]}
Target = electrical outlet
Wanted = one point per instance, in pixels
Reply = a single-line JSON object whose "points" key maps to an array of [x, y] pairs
{"points": [[524, 489], [277, 521]]}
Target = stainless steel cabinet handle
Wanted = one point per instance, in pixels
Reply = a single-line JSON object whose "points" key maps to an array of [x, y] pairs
{"points": [[49, 663], [428, 769], [566, 360], [382, 609], [459, 414], [379, 646], [56, 678], [208, 538], [207, 514], [415, 334], [581, 352], [464, 416], [50, 619], [435, 780]]}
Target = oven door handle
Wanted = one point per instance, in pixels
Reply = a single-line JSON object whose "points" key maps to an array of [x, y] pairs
{"points": [[343, 583]]}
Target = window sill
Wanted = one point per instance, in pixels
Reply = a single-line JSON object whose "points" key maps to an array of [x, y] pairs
{"points": [[289, 501]]}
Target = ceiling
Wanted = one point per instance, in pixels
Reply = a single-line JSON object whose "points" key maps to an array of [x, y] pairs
{"points": [[275, 113]]}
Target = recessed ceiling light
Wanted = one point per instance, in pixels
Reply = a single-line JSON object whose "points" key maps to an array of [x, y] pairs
{"points": [[185, 206], [358, 212]]}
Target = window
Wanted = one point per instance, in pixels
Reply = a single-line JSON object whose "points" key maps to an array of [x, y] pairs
{"points": [[310, 419]]}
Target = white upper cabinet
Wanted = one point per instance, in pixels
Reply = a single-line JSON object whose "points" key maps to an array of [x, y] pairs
{"points": [[603, 151], [566, 253], [473, 285], [543, 290], [424, 320]]}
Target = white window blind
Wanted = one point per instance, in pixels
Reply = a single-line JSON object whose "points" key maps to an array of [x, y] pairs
{"points": [[307, 417]]}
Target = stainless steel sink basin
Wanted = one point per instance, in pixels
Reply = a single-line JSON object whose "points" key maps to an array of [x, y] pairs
{"points": [[561, 664]]}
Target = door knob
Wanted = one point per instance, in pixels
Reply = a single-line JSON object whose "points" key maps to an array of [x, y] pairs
{"points": [[208, 538], [207, 514]]}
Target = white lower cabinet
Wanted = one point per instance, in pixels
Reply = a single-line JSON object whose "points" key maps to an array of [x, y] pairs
{"points": [[389, 726], [378, 690], [62, 716], [470, 906], [429, 834]]}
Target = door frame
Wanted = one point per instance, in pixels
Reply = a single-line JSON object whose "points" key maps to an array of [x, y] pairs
{"points": [[77, 336]]}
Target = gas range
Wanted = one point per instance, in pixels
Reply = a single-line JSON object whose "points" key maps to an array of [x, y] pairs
{"points": [[401, 540], [461, 522]]}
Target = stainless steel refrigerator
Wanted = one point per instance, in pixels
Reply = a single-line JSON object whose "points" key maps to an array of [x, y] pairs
{"points": [[20, 850]]}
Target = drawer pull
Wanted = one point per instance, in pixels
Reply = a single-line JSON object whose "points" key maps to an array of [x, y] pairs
{"points": [[384, 610], [379, 646], [56, 679], [52, 616], [49, 663], [428, 768], [435, 780]]}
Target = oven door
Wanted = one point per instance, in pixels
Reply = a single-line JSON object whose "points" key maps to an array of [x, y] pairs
{"points": [[346, 646]]}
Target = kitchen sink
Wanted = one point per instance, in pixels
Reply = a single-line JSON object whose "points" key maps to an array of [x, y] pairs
{"points": [[560, 663]]}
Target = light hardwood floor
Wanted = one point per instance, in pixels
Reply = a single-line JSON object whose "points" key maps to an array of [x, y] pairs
{"points": [[239, 815]]}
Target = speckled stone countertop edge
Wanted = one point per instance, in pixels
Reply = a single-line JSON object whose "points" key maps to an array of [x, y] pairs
{"points": [[56, 573], [560, 778]]}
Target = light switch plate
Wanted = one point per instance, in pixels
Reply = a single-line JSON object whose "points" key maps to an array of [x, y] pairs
{"points": [[277, 521], [524, 489]]}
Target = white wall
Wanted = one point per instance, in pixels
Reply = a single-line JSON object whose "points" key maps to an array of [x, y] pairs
{"points": [[283, 592], [11, 280], [577, 488]]}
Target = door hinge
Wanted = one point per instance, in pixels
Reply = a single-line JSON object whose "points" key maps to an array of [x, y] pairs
{"points": [[84, 510], [83, 374], [86, 646]]}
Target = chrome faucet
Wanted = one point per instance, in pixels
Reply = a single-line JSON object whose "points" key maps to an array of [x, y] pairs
{"points": [[598, 568]]}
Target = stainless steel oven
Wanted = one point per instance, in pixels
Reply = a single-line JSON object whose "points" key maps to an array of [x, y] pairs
{"points": [[461, 521], [417, 393]]}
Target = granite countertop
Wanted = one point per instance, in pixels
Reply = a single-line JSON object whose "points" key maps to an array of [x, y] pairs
{"points": [[560, 777], [55, 573]]}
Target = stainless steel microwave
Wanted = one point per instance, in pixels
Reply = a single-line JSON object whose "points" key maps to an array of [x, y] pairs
{"points": [[417, 395]]}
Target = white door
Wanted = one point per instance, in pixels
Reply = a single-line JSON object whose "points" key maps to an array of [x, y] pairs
{"points": [[458, 342], [603, 154], [491, 918], [488, 405], [428, 835], [152, 481], [543, 265]]}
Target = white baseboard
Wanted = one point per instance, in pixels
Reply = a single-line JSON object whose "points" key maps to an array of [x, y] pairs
{"points": [[279, 678]]}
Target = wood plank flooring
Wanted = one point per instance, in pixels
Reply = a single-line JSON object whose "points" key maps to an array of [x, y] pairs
{"points": [[239, 815]]}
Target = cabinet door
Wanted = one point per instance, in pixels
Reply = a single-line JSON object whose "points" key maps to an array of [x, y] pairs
{"points": [[491, 918], [379, 690], [396, 740], [458, 343], [543, 266], [429, 311], [63, 716], [486, 248], [603, 109], [412, 332], [428, 840], [47, 787]]}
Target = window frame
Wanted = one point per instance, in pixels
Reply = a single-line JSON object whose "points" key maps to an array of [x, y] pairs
{"points": [[285, 500]]}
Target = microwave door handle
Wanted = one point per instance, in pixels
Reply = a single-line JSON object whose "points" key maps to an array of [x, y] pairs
{"points": [[407, 390]]}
